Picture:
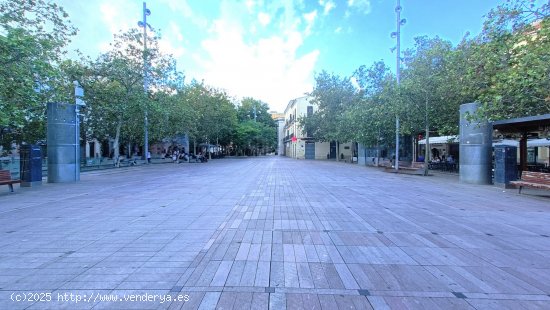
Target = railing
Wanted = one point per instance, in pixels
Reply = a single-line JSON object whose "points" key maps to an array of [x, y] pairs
{"points": [[13, 165]]}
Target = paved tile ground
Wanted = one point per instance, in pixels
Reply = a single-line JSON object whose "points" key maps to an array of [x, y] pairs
{"points": [[272, 233]]}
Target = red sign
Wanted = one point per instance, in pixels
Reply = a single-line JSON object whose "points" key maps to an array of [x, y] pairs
{"points": [[294, 139]]}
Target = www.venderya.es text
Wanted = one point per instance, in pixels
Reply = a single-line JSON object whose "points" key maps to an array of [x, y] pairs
{"points": [[94, 297]]}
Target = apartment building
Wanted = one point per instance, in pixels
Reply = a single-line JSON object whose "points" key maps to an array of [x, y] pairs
{"points": [[301, 145]]}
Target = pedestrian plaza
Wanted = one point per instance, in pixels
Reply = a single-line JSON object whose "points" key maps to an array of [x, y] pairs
{"points": [[272, 233]]}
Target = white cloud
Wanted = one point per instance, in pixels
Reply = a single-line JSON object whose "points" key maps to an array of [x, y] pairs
{"points": [[264, 18], [338, 30], [361, 6], [166, 47], [310, 19], [185, 9], [354, 83], [267, 69], [250, 4], [176, 31], [114, 17], [327, 6], [269, 64]]}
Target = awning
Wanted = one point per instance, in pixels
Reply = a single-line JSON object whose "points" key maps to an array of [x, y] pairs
{"points": [[506, 142], [440, 140], [538, 142], [530, 143]]}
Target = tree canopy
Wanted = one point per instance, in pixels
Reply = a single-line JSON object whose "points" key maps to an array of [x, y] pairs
{"points": [[34, 70], [505, 68]]}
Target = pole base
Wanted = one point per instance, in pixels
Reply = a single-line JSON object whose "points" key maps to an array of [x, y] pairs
{"points": [[31, 184]]}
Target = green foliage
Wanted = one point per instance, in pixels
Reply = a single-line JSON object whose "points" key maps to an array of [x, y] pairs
{"points": [[257, 130], [32, 41], [333, 96], [245, 111], [510, 61], [429, 88], [372, 116], [506, 68], [216, 116]]}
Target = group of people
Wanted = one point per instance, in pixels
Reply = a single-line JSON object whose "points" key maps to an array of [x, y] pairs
{"points": [[177, 155], [449, 159], [438, 159]]}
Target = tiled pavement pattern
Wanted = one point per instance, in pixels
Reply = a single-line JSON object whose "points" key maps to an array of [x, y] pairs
{"points": [[275, 233]]}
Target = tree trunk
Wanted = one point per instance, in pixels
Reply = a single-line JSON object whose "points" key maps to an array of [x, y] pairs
{"points": [[337, 151], [116, 143], [427, 151], [378, 149]]}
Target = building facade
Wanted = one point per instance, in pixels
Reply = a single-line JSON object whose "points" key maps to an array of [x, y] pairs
{"points": [[279, 118], [301, 145]]}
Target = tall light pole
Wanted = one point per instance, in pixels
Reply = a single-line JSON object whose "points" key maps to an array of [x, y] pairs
{"points": [[78, 94], [397, 35], [144, 24]]}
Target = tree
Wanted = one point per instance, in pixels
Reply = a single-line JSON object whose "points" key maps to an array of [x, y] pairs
{"points": [[333, 96], [216, 116], [34, 35], [115, 94], [424, 89], [370, 116], [252, 109], [265, 130], [510, 61]]}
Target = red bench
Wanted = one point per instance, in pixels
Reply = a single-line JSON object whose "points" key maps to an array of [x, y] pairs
{"points": [[5, 179], [539, 180]]}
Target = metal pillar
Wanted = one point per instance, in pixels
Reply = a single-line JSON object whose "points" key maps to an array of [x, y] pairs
{"points": [[63, 149], [475, 147]]}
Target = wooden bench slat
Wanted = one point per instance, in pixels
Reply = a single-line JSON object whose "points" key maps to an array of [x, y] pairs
{"points": [[5, 179], [533, 179], [4, 182]]}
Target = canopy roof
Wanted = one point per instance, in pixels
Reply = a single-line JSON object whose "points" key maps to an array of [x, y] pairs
{"points": [[454, 139], [440, 140], [535, 123]]}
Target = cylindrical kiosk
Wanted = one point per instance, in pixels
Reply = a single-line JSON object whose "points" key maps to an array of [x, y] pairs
{"points": [[63, 143], [475, 147]]}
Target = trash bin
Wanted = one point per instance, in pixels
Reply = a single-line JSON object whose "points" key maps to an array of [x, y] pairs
{"points": [[31, 165]]}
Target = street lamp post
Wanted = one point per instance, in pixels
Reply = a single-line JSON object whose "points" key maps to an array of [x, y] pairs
{"points": [[144, 24], [397, 35], [78, 94]]}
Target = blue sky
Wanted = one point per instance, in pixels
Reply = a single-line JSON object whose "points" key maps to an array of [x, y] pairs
{"points": [[271, 50]]}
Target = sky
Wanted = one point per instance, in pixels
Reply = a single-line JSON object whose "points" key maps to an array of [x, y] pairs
{"points": [[272, 50]]}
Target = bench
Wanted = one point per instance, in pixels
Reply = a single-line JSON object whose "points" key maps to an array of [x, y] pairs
{"points": [[5, 179], [404, 167], [538, 180], [414, 168]]}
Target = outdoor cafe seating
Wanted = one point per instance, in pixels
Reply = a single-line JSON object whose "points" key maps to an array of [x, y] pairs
{"points": [[443, 166]]}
